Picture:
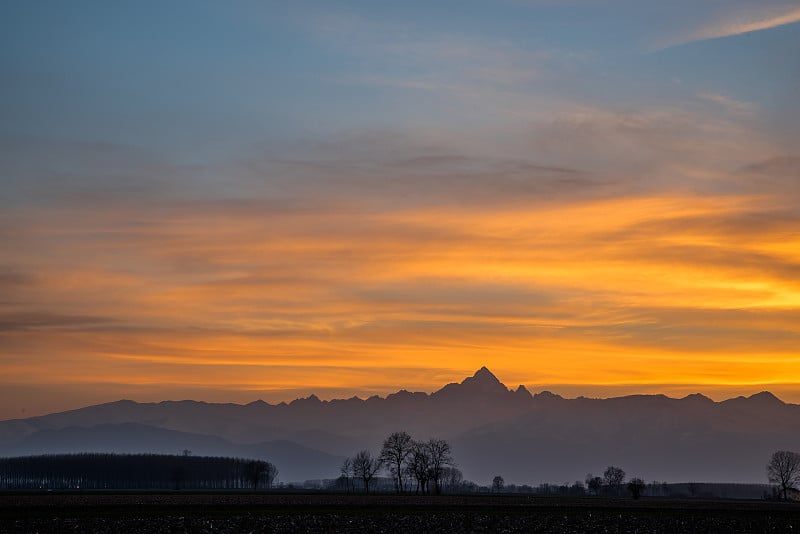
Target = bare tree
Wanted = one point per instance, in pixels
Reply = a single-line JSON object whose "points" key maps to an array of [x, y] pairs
{"points": [[594, 483], [636, 486], [452, 479], [366, 467], [497, 484], [440, 457], [784, 469], [614, 477], [346, 471], [418, 466], [396, 450]]}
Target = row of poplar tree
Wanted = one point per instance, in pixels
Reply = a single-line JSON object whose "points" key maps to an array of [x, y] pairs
{"points": [[134, 471]]}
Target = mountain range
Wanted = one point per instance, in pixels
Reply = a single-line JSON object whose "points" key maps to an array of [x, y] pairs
{"points": [[493, 430]]}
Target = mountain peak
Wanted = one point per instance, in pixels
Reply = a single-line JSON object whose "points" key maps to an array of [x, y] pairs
{"points": [[484, 381], [481, 383], [522, 393], [697, 397], [765, 397], [547, 395], [311, 400], [483, 375]]}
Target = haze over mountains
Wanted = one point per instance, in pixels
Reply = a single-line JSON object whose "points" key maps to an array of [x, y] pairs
{"points": [[493, 430]]}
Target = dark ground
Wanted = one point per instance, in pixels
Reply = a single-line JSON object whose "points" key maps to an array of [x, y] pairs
{"points": [[181, 512]]}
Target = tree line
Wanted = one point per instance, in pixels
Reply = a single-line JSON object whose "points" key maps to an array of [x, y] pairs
{"points": [[613, 483], [421, 467], [783, 470], [135, 471], [424, 467]]}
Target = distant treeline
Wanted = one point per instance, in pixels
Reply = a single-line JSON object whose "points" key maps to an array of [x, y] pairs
{"points": [[134, 471], [679, 490]]}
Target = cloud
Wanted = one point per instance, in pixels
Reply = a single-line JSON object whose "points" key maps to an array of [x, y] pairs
{"points": [[730, 104], [738, 22], [406, 57], [45, 320], [12, 279], [231, 286], [738, 26], [559, 239], [780, 166]]}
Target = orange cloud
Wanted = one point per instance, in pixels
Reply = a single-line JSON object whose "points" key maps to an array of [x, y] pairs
{"points": [[662, 288]]}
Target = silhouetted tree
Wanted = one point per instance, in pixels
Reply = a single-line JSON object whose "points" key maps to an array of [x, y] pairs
{"points": [[271, 475], [261, 473], [452, 479], [418, 466], [595, 484], [131, 471], [784, 469], [346, 471], [394, 454], [636, 486], [255, 472], [366, 467], [614, 477], [497, 484], [439, 457], [179, 475]]}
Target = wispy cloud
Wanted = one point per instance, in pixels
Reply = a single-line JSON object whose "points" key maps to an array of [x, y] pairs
{"points": [[739, 21], [225, 292], [449, 64], [730, 104]]}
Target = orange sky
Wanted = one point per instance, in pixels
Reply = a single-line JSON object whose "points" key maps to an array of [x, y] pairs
{"points": [[672, 293], [227, 201]]}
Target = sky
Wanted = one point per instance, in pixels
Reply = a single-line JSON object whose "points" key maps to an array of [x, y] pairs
{"points": [[228, 201]]}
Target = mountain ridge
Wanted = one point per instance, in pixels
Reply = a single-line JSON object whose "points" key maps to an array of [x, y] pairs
{"points": [[481, 375], [541, 436]]}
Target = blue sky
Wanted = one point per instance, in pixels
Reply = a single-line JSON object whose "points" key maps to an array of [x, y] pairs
{"points": [[200, 80]]}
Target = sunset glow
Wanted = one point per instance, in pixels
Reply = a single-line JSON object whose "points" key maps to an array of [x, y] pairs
{"points": [[474, 208]]}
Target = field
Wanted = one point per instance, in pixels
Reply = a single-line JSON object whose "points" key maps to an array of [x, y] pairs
{"points": [[270, 512]]}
